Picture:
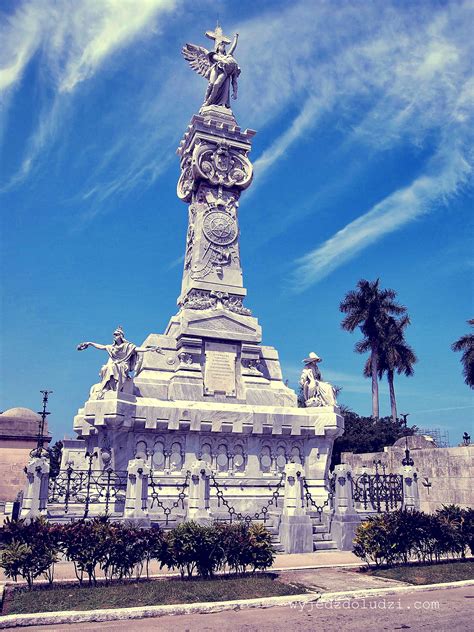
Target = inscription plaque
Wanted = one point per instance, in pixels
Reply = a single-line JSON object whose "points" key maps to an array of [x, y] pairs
{"points": [[219, 372]]}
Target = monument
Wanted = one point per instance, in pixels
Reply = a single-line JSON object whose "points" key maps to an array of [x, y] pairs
{"points": [[206, 399]]}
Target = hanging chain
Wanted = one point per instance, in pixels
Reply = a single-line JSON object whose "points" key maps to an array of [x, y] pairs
{"points": [[328, 502], [237, 515], [180, 499]]}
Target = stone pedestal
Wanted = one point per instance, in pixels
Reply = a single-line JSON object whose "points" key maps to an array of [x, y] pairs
{"points": [[296, 528], [36, 495], [199, 497], [137, 493], [411, 499], [296, 534], [345, 520]]}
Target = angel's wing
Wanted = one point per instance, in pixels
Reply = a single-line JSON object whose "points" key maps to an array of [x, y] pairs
{"points": [[198, 58]]}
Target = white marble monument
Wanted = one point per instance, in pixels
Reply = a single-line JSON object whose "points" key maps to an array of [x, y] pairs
{"points": [[209, 391]]}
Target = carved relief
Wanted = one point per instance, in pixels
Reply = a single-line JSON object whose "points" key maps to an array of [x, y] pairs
{"points": [[215, 258], [189, 239], [220, 228], [185, 359], [221, 165], [206, 299], [186, 181], [252, 366], [222, 323], [164, 453]]}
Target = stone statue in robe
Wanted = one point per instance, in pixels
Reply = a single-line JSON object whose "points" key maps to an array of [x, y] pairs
{"points": [[218, 67], [124, 357], [315, 391]]}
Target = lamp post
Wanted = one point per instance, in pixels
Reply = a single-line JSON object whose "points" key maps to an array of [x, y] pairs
{"points": [[39, 450], [407, 460]]}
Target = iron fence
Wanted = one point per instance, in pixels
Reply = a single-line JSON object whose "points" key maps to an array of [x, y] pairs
{"points": [[380, 492], [88, 487]]}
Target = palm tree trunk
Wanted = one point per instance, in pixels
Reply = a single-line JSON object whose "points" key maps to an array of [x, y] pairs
{"points": [[375, 383], [393, 401]]}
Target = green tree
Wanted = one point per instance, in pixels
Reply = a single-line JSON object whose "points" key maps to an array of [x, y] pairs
{"points": [[466, 345], [366, 434], [368, 307], [395, 355]]}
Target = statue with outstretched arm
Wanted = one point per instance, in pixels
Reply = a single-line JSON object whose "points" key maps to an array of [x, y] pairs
{"points": [[124, 357]]}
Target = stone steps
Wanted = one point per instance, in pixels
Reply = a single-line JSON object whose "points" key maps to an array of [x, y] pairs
{"points": [[322, 539], [329, 545]]}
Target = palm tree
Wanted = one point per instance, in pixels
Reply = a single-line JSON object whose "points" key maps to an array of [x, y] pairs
{"points": [[368, 307], [466, 345], [395, 355]]}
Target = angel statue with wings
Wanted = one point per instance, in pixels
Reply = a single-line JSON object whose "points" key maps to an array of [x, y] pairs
{"points": [[217, 66]]}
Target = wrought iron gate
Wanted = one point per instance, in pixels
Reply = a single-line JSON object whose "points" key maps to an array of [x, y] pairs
{"points": [[378, 492]]}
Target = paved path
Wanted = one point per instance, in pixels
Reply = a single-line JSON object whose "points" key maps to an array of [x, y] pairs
{"points": [[449, 610]]}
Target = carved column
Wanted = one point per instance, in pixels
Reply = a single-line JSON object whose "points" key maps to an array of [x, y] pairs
{"points": [[198, 502], [36, 495], [214, 170], [296, 528], [345, 520], [343, 502], [136, 509], [411, 499]]}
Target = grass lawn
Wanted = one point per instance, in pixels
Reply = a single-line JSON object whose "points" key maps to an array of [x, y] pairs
{"points": [[430, 573], [19, 600]]}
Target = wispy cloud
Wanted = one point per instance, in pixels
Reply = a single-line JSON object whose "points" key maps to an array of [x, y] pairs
{"points": [[74, 42], [393, 77], [405, 68], [75, 39], [449, 172]]}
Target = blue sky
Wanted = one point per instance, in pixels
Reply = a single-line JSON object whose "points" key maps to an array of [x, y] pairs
{"points": [[363, 169]]}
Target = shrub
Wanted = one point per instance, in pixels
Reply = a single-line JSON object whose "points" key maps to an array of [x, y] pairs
{"points": [[84, 543], [155, 543], [451, 519], [124, 551], [29, 549], [468, 528], [118, 549], [373, 541], [235, 539], [401, 535], [191, 546], [262, 551]]}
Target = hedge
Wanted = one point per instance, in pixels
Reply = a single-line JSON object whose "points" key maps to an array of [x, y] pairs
{"points": [[120, 550], [401, 536]]}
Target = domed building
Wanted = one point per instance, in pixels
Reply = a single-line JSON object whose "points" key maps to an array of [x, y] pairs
{"points": [[18, 436]]}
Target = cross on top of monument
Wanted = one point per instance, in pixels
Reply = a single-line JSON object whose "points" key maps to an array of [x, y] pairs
{"points": [[218, 36]]}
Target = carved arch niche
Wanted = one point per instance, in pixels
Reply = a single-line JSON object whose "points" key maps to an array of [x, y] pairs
{"points": [[239, 460], [266, 458], [158, 456]]}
